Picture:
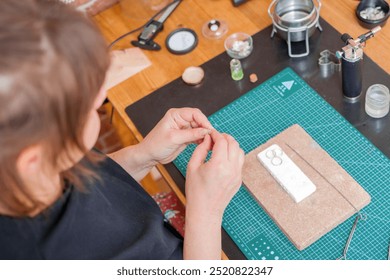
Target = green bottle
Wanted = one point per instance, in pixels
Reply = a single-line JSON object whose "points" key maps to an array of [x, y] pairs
{"points": [[236, 69]]}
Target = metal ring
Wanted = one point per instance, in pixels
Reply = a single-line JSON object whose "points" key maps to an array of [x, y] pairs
{"points": [[276, 161], [278, 152], [270, 154]]}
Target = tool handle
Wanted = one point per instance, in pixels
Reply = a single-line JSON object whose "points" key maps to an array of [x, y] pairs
{"points": [[238, 2], [346, 37], [150, 31], [145, 39]]}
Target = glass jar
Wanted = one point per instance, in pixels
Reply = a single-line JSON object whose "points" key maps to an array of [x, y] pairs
{"points": [[236, 69]]}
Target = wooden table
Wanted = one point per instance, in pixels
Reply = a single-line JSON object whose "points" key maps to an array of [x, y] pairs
{"points": [[251, 17]]}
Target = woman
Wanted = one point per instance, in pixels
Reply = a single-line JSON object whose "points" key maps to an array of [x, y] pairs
{"points": [[59, 199]]}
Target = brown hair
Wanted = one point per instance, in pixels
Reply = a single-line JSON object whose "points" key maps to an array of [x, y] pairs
{"points": [[53, 62]]}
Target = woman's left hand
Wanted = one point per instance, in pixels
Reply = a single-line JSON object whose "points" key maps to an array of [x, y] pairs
{"points": [[174, 132]]}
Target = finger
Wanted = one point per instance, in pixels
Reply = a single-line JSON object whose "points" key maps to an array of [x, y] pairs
{"points": [[200, 153], [220, 148], [201, 119], [201, 140], [194, 124], [233, 148], [191, 135], [192, 115]]}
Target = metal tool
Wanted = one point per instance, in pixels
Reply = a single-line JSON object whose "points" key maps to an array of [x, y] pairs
{"points": [[352, 62], [388, 253], [359, 216], [152, 28]]}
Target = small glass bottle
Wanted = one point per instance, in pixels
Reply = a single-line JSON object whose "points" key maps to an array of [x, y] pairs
{"points": [[236, 69]]}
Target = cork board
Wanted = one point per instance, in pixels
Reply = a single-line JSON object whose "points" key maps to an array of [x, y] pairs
{"points": [[337, 197]]}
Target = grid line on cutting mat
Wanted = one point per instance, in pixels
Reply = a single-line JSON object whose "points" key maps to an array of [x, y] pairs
{"points": [[264, 112]]}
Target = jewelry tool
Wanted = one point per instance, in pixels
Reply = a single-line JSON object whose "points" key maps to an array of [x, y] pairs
{"points": [[328, 63], [145, 39], [346, 247], [352, 62], [388, 253]]}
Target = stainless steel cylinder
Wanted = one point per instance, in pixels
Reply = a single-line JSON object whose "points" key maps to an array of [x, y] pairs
{"points": [[295, 21]]}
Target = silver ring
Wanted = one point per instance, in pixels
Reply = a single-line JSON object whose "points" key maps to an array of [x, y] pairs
{"points": [[276, 161], [270, 154]]}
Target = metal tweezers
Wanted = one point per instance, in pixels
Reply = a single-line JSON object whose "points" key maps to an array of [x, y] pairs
{"points": [[359, 216]]}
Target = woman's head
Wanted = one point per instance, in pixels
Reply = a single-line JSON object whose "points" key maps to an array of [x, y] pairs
{"points": [[52, 67]]}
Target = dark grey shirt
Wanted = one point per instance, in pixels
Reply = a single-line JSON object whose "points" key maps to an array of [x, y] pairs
{"points": [[113, 219]]}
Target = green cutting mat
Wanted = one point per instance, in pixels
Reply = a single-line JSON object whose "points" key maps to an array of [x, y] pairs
{"points": [[265, 111]]}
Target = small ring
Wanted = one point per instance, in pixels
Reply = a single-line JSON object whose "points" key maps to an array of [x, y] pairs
{"points": [[278, 152], [276, 161], [270, 154]]}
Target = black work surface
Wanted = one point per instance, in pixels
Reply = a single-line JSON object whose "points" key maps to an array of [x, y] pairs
{"points": [[269, 57]]}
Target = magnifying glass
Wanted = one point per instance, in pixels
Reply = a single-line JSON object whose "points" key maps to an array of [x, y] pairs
{"points": [[181, 41]]}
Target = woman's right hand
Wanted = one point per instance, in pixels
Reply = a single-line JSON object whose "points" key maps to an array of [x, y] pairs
{"points": [[209, 188], [211, 185]]}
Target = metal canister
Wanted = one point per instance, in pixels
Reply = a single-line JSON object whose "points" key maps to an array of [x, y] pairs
{"points": [[352, 73]]}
